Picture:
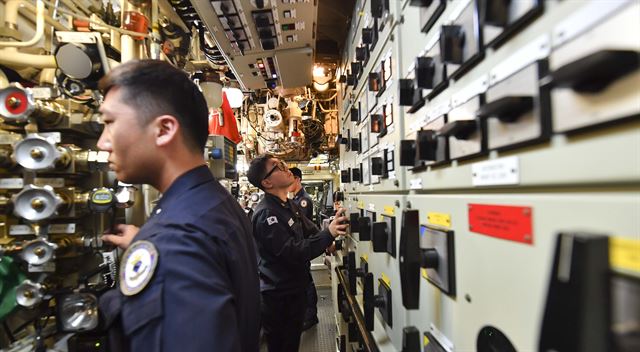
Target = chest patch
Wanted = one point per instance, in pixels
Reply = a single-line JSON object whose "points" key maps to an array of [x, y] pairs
{"points": [[291, 222], [303, 203], [138, 265], [272, 220]]}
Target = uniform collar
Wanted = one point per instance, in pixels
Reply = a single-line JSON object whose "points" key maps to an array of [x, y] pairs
{"points": [[185, 182], [275, 199], [301, 193]]}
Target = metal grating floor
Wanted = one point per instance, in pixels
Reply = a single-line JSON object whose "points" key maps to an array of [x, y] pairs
{"points": [[322, 336]]}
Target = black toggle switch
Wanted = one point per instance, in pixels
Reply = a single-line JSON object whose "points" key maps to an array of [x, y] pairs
{"points": [[344, 140], [460, 129], [496, 12], [367, 36], [355, 145], [425, 72], [595, 72], [355, 175], [354, 115], [410, 339], [506, 109], [577, 313], [351, 79], [374, 81], [407, 92], [362, 53], [420, 3], [452, 39], [350, 264], [364, 228], [377, 166], [380, 236], [370, 301], [353, 222], [338, 244], [427, 141], [410, 259], [356, 68], [407, 152], [379, 7], [345, 176]]}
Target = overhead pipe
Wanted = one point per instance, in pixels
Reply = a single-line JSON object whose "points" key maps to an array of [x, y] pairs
{"points": [[11, 17]]}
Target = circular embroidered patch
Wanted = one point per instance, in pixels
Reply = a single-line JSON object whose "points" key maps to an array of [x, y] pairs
{"points": [[137, 267], [303, 203]]}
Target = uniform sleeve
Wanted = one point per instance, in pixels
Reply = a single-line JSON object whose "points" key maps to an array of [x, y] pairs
{"points": [[273, 235], [307, 209], [197, 294]]}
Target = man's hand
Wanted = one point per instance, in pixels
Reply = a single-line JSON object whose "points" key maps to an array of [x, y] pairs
{"points": [[339, 224], [123, 235]]}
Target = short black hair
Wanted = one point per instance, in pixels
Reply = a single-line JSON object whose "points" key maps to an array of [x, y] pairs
{"points": [[296, 172], [257, 169], [157, 88]]}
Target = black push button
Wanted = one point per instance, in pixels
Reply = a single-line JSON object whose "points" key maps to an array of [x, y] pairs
{"points": [[407, 92], [377, 166]]}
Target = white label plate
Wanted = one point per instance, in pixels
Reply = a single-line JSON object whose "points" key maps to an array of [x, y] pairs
{"points": [[503, 171]]}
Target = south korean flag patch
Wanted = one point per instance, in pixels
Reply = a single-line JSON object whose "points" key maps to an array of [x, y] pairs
{"points": [[303, 203], [272, 220], [138, 265]]}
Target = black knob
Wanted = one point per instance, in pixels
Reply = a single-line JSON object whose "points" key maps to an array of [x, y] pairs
{"points": [[343, 79], [506, 109], [595, 72], [367, 36], [460, 129], [430, 258], [356, 67], [410, 259], [355, 145]]}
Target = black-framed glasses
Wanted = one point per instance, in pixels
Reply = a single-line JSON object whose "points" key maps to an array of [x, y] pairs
{"points": [[279, 166]]}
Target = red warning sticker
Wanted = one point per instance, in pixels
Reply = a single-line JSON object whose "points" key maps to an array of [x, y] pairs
{"points": [[507, 222]]}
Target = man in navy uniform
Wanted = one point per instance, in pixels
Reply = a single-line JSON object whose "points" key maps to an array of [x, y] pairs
{"points": [[287, 241], [300, 196], [188, 277], [303, 200]]}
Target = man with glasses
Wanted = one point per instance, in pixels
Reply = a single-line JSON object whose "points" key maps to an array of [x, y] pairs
{"points": [[287, 242]]}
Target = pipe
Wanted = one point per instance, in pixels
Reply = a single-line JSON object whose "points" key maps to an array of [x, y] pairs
{"points": [[155, 32], [4, 81], [367, 340], [29, 10], [12, 15], [13, 58]]}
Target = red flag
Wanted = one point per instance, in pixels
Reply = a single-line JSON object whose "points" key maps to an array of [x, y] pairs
{"points": [[225, 124]]}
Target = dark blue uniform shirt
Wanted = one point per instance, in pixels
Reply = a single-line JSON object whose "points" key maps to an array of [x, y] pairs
{"points": [[287, 241], [204, 294], [307, 205]]}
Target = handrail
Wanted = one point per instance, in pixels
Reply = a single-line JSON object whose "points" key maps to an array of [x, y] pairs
{"points": [[367, 340]]}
